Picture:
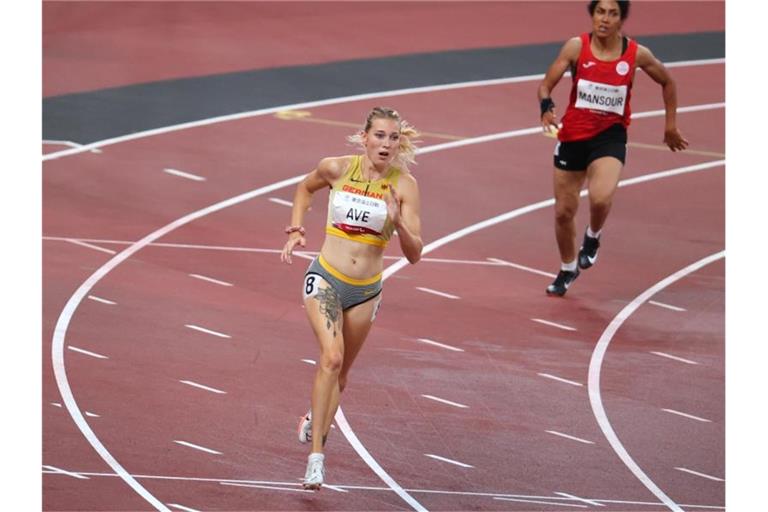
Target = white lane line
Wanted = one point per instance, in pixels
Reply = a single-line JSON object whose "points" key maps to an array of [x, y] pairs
{"points": [[64, 472], [596, 363], [553, 324], [441, 345], [92, 415], [674, 358], [182, 174], [90, 246], [691, 416], [103, 301], [521, 267], [309, 361], [703, 475], [560, 379], [201, 386], [65, 317], [210, 280], [573, 438], [347, 99], [207, 331], [56, 404], [270, 487], [667, 306], [435, 292], [449, 461], [584, 500], [182, 507], [87, 352], [281, 201], [197, 447], [520, 500], [444, 401], [364, 454]]}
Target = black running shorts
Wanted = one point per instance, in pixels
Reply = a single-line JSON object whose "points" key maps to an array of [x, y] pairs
{"points": [[577, 155]]}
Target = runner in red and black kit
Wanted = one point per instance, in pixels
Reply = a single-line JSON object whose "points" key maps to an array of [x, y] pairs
{"points": [[593, 137]]}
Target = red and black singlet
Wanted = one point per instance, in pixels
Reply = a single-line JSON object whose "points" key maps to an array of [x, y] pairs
{"points": [[600, 93]]}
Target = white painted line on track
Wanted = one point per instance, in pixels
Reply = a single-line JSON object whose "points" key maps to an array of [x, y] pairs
{"points": [[521, 267], [56, 404], [309, 361], [440, 492], [87, 352], [685, 415], [197, 447], [336, 101], [560, 379], [65, 317], [553, 324], [270, 487], [103, 301], [362, 451], [439, 294], [449, 461], [667, 306], [559, 503], [703, 475], [207, 331], [441, 345], [596, 363], [92, 415], [90, 246], [182, 507], [64, 472], [674, 358], [210, 280], [444, 401], [573, 438], [584, 500], [185, 175], [281, 201], [201, 386]]}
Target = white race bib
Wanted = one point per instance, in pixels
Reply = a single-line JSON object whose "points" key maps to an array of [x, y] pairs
{"points": [[353, 213], [602, 97]]}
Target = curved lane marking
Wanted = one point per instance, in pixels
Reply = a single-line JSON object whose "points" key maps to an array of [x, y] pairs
{"points": [[323, 103], [596, 363], [62, 324]]}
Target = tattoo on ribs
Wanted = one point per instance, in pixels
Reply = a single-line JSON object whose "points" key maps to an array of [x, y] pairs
{"points": [[330, 307]]}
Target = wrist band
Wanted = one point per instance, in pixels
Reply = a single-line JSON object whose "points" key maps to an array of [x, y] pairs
{"points": [[293, 229], [546, 105]]}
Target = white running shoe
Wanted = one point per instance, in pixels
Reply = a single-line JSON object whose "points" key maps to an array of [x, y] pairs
{"points": [[313, 478], [305, 428]]}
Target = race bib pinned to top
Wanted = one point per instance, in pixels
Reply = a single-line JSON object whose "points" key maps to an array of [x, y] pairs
{"points": [[354, 213], [601, 97]]}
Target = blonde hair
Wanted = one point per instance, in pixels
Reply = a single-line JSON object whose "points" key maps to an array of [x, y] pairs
{"points": [[408, 134]]}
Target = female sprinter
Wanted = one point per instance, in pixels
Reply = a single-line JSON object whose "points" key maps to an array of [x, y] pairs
{"points": [[593, 136], [372, 195]]}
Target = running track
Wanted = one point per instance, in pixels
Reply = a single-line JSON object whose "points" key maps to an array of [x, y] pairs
{"points": [[183, 355]]}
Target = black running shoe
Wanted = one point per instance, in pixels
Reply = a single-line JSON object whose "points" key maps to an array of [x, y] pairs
{"points": [[561, 283], [588, 251]]}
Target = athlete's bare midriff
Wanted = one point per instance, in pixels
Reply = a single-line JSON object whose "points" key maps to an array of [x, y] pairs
{"points": [[354, 259]]}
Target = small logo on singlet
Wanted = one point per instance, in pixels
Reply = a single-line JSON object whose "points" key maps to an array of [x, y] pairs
{"points": [[589, 64], [622, 68]]}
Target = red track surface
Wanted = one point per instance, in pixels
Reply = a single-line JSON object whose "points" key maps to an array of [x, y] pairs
{"points": [[655, 229]]}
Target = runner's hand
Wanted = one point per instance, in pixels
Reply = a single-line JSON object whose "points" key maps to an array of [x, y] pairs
{"points": [[293, 240], [549, 121], [674, 139], [393, 205]]}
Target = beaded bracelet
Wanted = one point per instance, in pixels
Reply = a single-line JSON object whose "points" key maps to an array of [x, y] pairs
{"points": [[293, 229]]}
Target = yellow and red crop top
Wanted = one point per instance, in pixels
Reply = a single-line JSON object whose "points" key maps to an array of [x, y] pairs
{"points": [[356, 207]]}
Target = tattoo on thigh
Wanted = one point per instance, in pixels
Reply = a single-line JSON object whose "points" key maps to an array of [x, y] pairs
{"points": [[330, 307]]}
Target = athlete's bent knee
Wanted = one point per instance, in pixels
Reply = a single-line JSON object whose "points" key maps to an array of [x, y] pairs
{"points": [[332, 361]]}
